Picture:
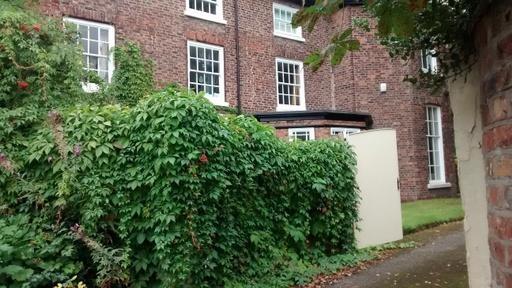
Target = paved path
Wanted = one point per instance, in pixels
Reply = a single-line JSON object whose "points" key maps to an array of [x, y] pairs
{"points": [[440, 262]]}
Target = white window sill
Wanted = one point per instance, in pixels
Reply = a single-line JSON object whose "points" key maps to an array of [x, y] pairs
{"points": [[90, 87], [289, 36], [217, 102], [439, 185], [290, 108], [205, 16]]}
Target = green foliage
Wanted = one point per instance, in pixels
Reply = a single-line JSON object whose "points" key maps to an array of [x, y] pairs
{"points": [[40, 68], [342, 41], [163, 191], [406, 27], [443, 26], [133, 76], [170, 193], [38, 59]]}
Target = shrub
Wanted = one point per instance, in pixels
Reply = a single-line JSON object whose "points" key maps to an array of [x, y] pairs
{"points": [[170, 193], [133, 76]]}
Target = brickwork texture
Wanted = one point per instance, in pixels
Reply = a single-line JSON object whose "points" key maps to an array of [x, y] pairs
{"points": [[494, 36], [162, 29]]}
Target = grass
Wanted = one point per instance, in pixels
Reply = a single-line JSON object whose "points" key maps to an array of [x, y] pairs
{"points": [[422, 214]]}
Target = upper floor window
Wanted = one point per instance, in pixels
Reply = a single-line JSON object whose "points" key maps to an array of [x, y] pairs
{"points": [[301, 134], [206, 71], [205, 9], [344, 132], [97, 40], [290, 85], [435, 146], [428, 61], [283, 16]]}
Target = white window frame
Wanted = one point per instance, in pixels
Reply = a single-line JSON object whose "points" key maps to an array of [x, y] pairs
{"points": [[217, 18], [431, 65], [292, 131], [302, 89], [294, 36], [92, 87], [441, 182], [344, 131], [219, 100]]}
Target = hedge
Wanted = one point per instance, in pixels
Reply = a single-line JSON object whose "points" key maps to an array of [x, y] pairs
{"points": [[168, 193]]}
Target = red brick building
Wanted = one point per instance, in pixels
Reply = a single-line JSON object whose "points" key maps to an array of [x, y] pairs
{"points": [[245, 54]]}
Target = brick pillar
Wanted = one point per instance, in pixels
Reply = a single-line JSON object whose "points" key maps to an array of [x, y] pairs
{"points": [[494, 38]]}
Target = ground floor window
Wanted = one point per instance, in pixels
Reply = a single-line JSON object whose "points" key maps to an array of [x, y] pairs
{"points": [[97, 41], [301, 134], [435, 146], [343, 131]]}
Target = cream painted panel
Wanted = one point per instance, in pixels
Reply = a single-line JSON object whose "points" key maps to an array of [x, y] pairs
{"points": [[377, 176]]}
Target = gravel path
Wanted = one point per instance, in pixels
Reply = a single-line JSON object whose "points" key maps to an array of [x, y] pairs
{"points": [[440, 262]]}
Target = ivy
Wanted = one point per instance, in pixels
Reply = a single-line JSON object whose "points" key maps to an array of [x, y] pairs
{"points": [[171, 193], [133, 76]]}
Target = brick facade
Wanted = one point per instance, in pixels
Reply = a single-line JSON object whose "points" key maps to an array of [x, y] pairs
{"points": [[494, 41], [162, 30]]}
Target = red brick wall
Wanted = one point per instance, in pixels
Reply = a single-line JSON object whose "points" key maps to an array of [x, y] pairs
{"points": [[495, 44], [162, 30]]}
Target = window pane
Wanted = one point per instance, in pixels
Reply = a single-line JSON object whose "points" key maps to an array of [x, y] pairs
{"points": [[93, 33], [85, 62], [103, 64], [104, 49], [93, 63], [85, 45], [193, 51], [104, 75], [82, 30], [93, 47], [104, 35]]}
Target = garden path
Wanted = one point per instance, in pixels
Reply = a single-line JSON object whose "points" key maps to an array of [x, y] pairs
{"points": [[439, 262]]}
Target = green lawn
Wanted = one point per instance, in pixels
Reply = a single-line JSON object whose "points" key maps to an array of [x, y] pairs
{"points": [[424, 213]]}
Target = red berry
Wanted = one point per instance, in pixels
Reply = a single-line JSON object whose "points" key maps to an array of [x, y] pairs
{"points": [[23, 85], [24, 28], [36, 27], [203, 159]]}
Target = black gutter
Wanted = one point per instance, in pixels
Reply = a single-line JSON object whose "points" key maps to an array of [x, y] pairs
{"points": [[315, 115], [237, 47]]}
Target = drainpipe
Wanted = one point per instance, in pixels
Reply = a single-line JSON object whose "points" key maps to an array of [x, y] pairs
{"points": [[237, 47]]}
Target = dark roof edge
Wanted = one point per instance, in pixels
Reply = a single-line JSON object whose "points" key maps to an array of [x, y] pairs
{"points": [[315, 115]]}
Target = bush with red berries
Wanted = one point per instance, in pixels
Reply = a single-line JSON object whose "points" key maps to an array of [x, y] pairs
{"points": [[172, 194], [162, 193]]}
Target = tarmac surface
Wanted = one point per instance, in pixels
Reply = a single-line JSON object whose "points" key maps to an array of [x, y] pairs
{"points": [[438, 261]]}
